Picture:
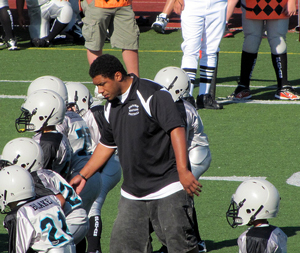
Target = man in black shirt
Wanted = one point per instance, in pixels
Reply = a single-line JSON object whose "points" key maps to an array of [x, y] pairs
{"points": [[141, 120]]}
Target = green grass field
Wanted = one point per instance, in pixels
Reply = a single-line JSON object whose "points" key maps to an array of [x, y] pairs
{"points": [[258, 139]]}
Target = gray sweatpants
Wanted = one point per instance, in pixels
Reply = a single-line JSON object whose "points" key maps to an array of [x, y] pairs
{"points": [[170, 217]]}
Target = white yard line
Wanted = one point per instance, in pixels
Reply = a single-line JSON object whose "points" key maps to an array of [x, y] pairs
{"points": [[220, 100], [233, 178]]}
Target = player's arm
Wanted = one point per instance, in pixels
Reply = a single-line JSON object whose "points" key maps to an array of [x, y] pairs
{"points": [[20, 8], [187, 179], [98, 159], [61, 199]]}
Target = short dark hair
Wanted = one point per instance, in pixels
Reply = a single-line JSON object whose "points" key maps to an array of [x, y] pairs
{"points": [[106, 65]]}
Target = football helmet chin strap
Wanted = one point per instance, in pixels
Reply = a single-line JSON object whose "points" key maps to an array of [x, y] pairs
{"points": [[253, 217], [15, 161]]}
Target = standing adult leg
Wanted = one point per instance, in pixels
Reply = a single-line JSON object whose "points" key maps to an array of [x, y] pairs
{"points": [[212, 35]]}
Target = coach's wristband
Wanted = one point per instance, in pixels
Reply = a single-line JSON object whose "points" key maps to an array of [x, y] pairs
{"points": [[83, 176]]}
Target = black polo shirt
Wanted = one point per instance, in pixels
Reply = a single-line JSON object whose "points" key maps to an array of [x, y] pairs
{"points": [[140, 128]]}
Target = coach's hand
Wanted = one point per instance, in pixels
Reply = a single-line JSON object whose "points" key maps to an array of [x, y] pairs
{"points": [[190, 183], [78, 183]]}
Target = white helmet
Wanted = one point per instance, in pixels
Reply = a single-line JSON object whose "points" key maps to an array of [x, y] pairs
{"points": [[49, 83], [24, 152], [98, 95], [175, 80], [254, 199], [16, 184], [41, 108], [79, 95]]}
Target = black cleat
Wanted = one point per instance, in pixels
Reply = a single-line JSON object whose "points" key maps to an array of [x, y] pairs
{"points": [[37, 42], [206, 101]]}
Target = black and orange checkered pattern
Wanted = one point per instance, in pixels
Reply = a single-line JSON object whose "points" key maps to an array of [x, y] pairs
{"points": [[265, 9]]}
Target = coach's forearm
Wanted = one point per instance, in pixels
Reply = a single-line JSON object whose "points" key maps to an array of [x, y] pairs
{"points": [[100, 156], [180, 149]]}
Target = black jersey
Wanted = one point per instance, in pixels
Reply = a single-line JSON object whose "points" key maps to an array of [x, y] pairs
{"points": [[265, 239], [140, 129], [57, 151]]}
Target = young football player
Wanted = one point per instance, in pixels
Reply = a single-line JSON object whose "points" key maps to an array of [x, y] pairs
{"points": [[70, 125], [75, 129], [254, 202], [33, 223], [177, 82], [28, 154], [80, 99], [42, 118]]}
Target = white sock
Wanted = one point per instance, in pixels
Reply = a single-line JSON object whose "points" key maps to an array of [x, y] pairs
{"points": [[204, 88]]}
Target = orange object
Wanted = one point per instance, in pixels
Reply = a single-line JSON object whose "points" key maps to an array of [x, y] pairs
{"points": [[79, 4], [260, 9], [112, 3]]}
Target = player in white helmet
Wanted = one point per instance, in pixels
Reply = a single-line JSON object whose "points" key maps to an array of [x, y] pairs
{"points": [[77, 132], [49, 83], [82, 99], [72, 125], [34, 223], [254, 202], [41, 12], [29, 155], [41, 112], [177, 82]]}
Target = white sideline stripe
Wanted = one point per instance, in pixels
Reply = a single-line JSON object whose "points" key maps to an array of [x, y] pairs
{"points": [[265, 102], [233, 178], [13, 96], [29, 81], [220, 100], [218, 85]]}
